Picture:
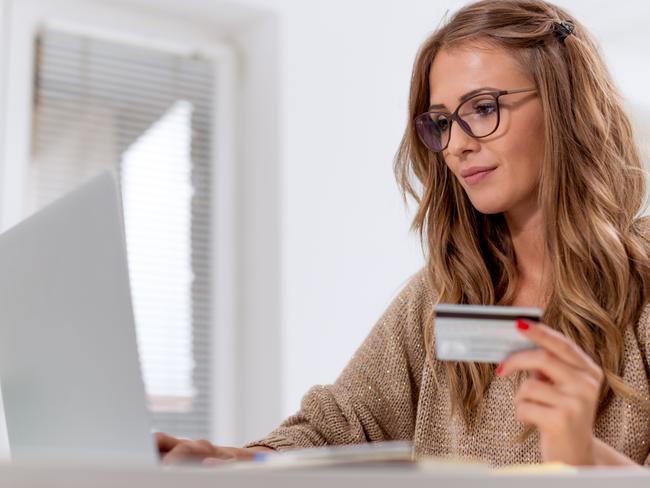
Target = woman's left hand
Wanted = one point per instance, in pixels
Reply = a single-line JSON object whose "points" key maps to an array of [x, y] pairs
{"points": [[560, 397]]}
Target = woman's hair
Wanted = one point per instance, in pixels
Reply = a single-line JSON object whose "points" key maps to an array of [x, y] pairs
{"points": [[592, 186]]}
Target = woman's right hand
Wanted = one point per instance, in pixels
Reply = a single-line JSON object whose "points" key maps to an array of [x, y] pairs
{"points": [[174, 450]]}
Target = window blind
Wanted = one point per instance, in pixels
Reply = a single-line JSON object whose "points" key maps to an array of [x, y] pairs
{"points": [[147, 114]]}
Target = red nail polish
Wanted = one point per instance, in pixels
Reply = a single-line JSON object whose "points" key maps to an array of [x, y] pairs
{"points": [[499, 369], [521, 325]]}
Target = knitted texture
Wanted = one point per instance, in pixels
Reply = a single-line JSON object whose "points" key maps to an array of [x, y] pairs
{"points": [[388, 392]]}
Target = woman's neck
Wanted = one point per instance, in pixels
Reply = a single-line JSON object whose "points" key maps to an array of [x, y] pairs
{"points": [[526, 226]]}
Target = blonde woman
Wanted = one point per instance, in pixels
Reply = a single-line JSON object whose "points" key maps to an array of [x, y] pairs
{"points": [[531, 185]]}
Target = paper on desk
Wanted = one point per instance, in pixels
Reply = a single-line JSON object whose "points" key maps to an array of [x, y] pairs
{"points": [[544, 468], [394, 452], [384, 454], [451, 465]]}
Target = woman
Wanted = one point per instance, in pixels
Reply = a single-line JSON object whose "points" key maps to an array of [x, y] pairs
{"points": [[530, 187]]}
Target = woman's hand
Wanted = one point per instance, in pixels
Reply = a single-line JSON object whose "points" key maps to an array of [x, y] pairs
{"points": [[560, 397], [174, 450]]}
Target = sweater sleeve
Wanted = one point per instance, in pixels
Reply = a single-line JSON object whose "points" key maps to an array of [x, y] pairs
{"points": [[375, 397], [643, 224], [645, 320]]}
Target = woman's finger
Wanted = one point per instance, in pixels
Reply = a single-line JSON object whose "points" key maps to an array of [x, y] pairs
{"points": [[538, 375], [181, 452], [546, 368], [543, 393], [540, 361], [165, 442], [189, 450], [559, 344], [534, 413], [214, 462]]}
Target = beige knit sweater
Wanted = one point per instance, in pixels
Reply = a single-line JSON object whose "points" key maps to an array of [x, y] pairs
{"points": [[388, 392]]}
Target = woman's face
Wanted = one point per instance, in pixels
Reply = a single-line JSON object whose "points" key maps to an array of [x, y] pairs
{"points": [[512, 156]]}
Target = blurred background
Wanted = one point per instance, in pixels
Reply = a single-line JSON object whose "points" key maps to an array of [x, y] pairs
{"points": [[253, 140]]}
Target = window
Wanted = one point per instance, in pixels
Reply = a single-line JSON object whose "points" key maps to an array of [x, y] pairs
{"points": [[147, 114]]}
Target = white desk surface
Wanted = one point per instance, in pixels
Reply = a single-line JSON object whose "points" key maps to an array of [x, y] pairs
{"points": [[37, 476]]}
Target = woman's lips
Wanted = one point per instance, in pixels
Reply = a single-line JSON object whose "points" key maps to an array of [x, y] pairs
{"points": [[479, 176]]}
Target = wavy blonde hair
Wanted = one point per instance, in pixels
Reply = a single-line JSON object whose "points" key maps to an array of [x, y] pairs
{"points": [[592, 186]]}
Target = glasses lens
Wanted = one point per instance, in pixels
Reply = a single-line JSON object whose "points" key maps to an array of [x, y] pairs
{"points": [[433, 130], [479, 115]]}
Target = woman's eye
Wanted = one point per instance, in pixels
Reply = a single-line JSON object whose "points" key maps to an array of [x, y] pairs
{"points": [[442, 124], [485, 108]]}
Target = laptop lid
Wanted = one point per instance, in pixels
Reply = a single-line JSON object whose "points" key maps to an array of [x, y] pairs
{"points": [[69, 369]]}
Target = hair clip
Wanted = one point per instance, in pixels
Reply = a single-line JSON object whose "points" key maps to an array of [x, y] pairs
{"points": [[562, 30]]}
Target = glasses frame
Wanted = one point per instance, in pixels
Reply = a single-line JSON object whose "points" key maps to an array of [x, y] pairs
{"points": [[454, 117]]}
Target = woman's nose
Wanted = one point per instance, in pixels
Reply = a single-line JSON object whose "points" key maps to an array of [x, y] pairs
{"points": [[461, 142]]}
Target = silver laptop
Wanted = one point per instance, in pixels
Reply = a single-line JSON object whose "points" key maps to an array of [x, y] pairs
{"points": [[69, 369]]}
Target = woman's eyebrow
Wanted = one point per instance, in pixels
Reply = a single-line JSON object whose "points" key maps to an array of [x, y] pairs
{"points": [[466, 96]]}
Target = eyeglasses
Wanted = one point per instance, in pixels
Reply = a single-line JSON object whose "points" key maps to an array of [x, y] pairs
{"points": [[478, 116]]}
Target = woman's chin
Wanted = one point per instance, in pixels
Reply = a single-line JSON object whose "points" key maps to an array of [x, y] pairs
{"points": [[488, 207]]}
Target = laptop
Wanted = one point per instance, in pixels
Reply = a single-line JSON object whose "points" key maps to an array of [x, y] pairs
{"points": [[69, 368]]}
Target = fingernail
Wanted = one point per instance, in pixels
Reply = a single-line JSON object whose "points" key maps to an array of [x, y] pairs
{"points": [[499, 370], [260, 456], [521, 325]]}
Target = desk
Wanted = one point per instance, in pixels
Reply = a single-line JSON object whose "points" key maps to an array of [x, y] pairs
{"points": [[33, 476]]}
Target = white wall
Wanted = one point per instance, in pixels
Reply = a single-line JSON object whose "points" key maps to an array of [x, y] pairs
{"points": [[326, 243], [345, 243]]}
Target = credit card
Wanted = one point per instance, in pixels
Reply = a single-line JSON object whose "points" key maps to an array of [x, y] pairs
{"points": [[480, 333]]}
